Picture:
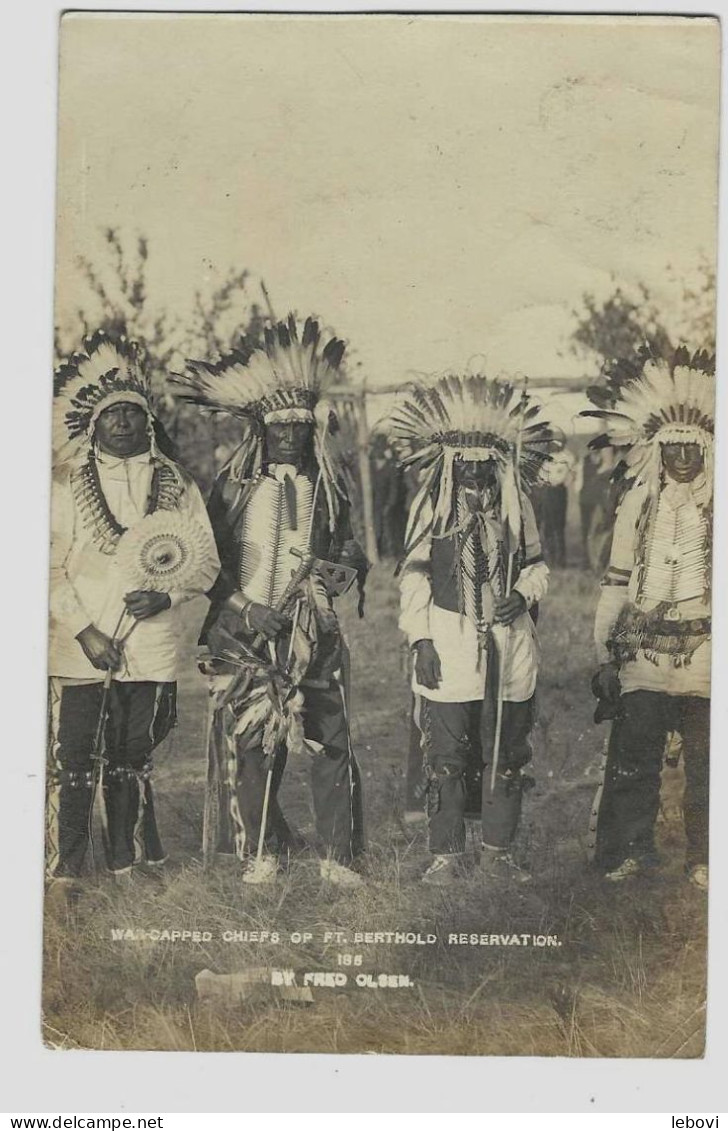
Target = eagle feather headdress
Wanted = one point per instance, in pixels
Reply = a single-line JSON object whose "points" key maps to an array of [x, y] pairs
{"points": [[107, 372], [471, 417], [283, 380], [652, 401]]}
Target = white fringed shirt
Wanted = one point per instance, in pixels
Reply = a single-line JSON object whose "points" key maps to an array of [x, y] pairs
{"points": [[455, 636], [86, 587]]}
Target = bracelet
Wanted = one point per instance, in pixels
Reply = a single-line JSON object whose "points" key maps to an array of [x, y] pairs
{"points": [[240, 605]]}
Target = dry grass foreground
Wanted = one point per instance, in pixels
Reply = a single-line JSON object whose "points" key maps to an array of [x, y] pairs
{"points": [[628, 979]]}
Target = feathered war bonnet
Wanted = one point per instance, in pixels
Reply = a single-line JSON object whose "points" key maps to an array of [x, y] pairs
{"points": [[283, 380], [108, 371], [470, 417], [649, 402]]}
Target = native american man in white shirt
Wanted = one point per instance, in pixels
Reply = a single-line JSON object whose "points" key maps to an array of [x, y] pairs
{"points": [[280, 512], [109, 473], [472, 572], [653, 622]]}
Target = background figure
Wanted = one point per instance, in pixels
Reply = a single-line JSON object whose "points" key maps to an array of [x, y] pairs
{"points": [[590, 495], [606, 495], [389, 498], [550, 499]]}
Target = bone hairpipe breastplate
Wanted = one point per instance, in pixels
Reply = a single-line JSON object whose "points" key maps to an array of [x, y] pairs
{"points": [[675, 567], [481, 569], [266, 561]]}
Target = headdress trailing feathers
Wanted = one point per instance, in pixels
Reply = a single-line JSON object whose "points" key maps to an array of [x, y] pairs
{"points": [[283, 380], [471, 417], [108, 371], [652, 401]]}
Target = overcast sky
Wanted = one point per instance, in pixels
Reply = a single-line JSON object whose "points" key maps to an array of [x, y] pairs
{"points": [[433, 188]]}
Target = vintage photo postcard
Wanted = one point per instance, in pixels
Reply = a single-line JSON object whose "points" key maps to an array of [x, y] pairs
{"points": [[379, 669]]}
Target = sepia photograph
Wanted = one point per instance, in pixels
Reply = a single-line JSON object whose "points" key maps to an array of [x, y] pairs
{"points": [[381, 540]]}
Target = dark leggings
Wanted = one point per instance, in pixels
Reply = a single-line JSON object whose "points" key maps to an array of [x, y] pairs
{"points": [[630, 797], [335, 780], [140, 716], [450, 734]]}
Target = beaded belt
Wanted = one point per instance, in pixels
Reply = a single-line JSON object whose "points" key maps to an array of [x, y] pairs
{"points": [[659, 632]]}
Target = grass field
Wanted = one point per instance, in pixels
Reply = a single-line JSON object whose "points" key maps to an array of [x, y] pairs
{"points": [[628, 978]]}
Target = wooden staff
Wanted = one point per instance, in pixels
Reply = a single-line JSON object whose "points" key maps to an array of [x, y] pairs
{"points": [[365, 475], [509, 585], [211, 806], [97, 752]]}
